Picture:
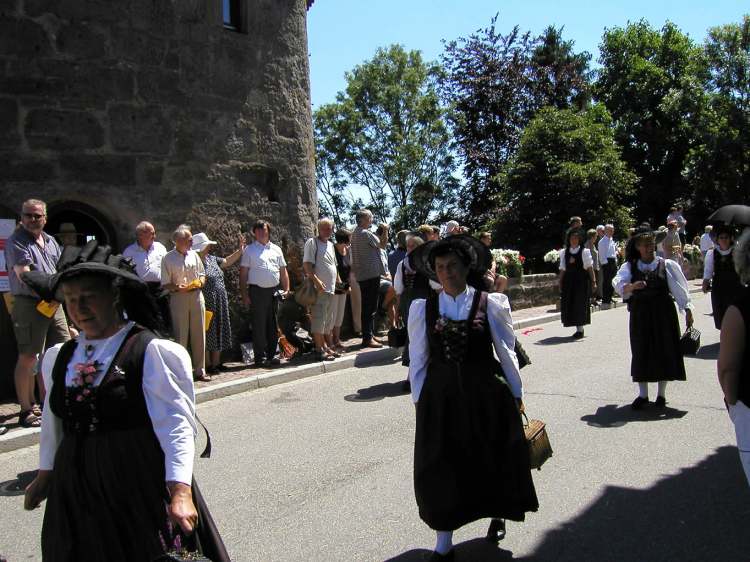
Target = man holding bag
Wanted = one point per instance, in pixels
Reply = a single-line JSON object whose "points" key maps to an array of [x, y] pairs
{"points": [[319, 264]]}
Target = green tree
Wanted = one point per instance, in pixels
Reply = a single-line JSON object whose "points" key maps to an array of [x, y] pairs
{"points": [[567, 163], [719, 167], [495, 84], [387, 133], [653, 82]]}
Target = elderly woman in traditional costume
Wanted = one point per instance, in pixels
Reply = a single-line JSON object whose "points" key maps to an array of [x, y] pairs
{"points": [[651, 286], [734, 362], [117, 440], [719, 275], [470, 456]]}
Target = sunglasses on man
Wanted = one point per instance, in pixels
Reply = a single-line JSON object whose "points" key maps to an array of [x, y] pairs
{"points": [[33, 216]]}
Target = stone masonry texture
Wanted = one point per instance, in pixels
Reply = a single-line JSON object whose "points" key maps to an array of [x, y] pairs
{"points": [[151, 109]]}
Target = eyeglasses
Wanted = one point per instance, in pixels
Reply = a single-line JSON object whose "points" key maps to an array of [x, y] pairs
{"points": [[33, 216]]}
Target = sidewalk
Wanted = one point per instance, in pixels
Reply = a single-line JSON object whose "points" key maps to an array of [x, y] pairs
{"points": [[241, 378]]}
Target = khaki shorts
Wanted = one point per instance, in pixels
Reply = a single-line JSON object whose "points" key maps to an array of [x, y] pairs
{"points": [[320, 321], [35, 332]]}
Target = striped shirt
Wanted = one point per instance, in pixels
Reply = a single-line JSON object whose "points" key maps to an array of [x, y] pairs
{"points": [[365, 252]]}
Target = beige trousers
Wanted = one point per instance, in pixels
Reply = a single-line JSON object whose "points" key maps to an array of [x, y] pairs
{"points": [[188, 312]]}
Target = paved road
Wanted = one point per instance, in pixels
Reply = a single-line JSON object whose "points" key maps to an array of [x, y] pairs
{"points": [[321, 469]]}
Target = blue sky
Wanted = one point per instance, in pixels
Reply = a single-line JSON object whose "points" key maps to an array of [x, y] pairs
{"points": [[344, 33]]}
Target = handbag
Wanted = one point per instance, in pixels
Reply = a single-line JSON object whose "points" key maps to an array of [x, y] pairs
{"points": [[307, 294], [397, 336], [690, 342], [537, 441]]}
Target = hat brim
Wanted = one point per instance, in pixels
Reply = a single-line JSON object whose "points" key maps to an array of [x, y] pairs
{"points": [[421, 260], [200, 247], [49, 286]]}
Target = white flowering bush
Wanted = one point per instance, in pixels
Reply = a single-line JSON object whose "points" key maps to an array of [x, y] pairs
{"points": [[553, 256], [508, 262], [692, 253]]}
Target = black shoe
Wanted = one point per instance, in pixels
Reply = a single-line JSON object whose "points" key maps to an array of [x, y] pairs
{"points": [[578, 335], [406, 386], [496, 532], [212, 370], [639, 403], [660, 402], [447, 557], [274, 362], [259, 364]]}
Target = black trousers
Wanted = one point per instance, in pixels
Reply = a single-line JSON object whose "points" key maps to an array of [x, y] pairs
{"points": [[263, 321], [369, 289], [609, 271]]}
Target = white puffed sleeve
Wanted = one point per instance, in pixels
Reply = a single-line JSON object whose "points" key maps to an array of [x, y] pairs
{"points": [[504, 339], [563, 254], [419, 352], [678, 285], [398, 278], [623, 277], [170, 400], [588, 260], [52, 430], [708, 265]]}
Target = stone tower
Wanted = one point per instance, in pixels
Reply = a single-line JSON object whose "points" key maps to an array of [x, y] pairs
{"points": [[197, 111]]}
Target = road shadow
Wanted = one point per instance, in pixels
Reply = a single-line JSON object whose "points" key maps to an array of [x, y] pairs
{"points": [[613, 415], [17, 486], [556, 340], [475, 550], [378, 392], [362, 360], [701, 513], [710, 352]]}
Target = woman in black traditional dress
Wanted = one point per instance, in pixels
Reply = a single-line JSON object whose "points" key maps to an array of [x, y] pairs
{"points": [[719, 275], [118, 428], [651, 286], [577, 282], [471, 460]]}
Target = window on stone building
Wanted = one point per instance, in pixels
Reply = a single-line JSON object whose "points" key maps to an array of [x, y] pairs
{"points": [[232, 13]]}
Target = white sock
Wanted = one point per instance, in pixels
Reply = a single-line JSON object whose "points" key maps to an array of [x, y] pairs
{"points": [[662, 389], [444, 542], [643, 389]]}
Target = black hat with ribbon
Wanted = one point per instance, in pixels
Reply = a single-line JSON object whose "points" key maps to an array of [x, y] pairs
{"points": [[473, 253]]}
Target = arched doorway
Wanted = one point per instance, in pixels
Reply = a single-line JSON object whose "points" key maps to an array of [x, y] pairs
{"points": [[88, 223]]}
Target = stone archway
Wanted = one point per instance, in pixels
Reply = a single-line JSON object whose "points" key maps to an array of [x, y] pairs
{"points": [[89, 222]]}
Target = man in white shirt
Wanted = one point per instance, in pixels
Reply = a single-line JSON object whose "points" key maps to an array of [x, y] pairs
{"points": [[608, 260], [707, 242], [262, 271], [319, 263], [146, 254]]}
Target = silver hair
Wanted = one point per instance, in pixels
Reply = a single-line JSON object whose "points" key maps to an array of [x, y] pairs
{"points": [[708, 228], [612, 226], [742, 257], [599, 227], [181, 232], [144, 226], [361, 214], [327, 221], [35, 203]]}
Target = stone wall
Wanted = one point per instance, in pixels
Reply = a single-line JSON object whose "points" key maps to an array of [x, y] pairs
{"points": [[150, 109]]}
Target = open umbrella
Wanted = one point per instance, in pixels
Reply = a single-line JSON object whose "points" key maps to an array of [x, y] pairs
{"points": [[731, 214]]}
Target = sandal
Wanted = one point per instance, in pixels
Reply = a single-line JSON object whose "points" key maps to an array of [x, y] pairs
{"points": [[28, 418], [37, 410], [203, 378]]}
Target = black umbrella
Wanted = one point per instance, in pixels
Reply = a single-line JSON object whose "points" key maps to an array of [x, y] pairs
{"points": [[731, 214]]}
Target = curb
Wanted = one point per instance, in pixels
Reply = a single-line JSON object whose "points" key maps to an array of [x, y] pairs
{"points": [[26, 437]]}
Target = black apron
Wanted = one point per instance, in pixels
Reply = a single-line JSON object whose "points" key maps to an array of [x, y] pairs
{"points": [[654, 329], [471, 460], [575, 298], [725, 285]]}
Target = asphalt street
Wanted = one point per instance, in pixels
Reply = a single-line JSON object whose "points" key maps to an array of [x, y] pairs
{"points": [[321, 469]]}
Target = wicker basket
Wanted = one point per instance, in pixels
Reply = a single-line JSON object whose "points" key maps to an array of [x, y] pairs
{"points": [[538, 441]]}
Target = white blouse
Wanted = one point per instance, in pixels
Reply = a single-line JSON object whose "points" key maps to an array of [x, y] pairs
{"points": [[675, 280], [708, 264], [167, 387], [588, 259], [501, 328], [398, 279]]}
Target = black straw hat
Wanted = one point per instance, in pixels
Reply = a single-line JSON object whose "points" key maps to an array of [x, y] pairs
{"points": [[645, 231], [91, 259], [475, 252]]}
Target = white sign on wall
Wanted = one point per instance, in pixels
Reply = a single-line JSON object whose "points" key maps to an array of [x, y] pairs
{"points": [[7, 226]]}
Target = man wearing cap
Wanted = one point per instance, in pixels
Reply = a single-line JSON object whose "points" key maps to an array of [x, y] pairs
{"points": [[35, 325], [146, 254]]}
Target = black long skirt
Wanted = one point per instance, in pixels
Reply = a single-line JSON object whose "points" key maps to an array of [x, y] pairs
{"points": [[108, 501], [575, 301], [722, 297], [655, 342], [471, 460]]}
